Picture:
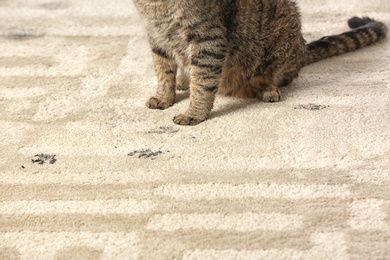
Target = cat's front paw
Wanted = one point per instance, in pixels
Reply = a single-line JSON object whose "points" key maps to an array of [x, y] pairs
{"points": [[271, 94], [184, 119], [158, 103]]}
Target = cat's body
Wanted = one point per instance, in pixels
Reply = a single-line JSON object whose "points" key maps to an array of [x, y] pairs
{"points": [[243, 48]]}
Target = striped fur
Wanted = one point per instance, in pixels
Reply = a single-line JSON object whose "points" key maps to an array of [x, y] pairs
{"points": [[242, 48], [364, 32]]}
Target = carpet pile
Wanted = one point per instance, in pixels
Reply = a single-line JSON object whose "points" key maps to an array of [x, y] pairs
{"points": [[88, 172]]}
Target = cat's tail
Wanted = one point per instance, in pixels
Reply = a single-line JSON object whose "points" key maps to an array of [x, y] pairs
{"points": [[364, 32]]}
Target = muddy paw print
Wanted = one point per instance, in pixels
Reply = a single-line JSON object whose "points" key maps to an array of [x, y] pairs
{"points": [[146, 154], [44, 158]]}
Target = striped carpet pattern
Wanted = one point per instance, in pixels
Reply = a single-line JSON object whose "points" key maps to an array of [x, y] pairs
{"points": [[88, 172]]}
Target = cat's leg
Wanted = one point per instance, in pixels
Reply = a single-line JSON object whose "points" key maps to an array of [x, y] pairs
{"points": [[202, 94], [207, 61], [165, 67]]}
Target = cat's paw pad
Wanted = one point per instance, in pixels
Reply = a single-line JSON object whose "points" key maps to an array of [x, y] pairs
{"points": [[270, 95], [157, 103], [183, 119]]}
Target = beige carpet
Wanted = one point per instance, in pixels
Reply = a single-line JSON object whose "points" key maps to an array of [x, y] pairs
{"points": [[88, 172]]}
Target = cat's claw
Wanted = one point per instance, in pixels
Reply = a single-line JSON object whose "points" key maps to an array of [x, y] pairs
{"points": [[183, 119], [157, 103]]}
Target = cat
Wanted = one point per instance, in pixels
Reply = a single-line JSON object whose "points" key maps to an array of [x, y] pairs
{"points": [[241, 48]]}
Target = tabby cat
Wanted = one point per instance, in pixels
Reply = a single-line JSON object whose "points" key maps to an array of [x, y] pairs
{"points": [[242, 48]]}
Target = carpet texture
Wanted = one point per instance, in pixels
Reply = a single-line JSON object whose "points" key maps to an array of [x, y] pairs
{"points": [[88, 172]]}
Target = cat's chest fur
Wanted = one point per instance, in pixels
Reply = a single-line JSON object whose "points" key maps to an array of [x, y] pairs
{"points": [[171, 24], [171, 34]]}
